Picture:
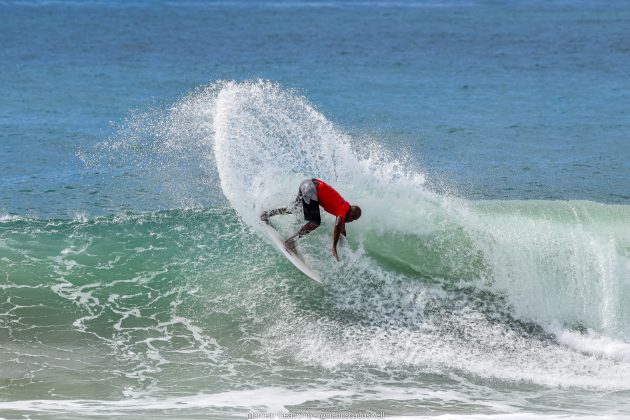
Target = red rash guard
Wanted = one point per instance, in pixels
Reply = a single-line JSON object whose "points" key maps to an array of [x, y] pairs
{"points": [[331, 200]]}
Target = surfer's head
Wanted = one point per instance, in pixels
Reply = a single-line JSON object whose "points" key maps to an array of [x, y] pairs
{"points": [[353, 214]]}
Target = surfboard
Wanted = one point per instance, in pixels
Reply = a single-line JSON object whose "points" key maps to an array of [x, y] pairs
{"points": [[294, 258]]}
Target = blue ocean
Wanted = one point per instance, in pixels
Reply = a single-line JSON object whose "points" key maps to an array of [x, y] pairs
{"points": [[486, 141]]}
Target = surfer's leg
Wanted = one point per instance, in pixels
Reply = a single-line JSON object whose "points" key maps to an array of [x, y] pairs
{"points": [[304, 230], [311, 192], [284, 210], [270, 213], [312, 216]]}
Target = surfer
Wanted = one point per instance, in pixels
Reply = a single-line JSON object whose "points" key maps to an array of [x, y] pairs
{"points": [[312, 194]]}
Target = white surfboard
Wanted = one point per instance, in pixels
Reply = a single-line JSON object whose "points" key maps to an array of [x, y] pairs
{"points": [[294, 258]]}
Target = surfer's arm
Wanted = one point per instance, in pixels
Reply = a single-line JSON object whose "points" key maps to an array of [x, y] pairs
{"points": [[340, 226]]}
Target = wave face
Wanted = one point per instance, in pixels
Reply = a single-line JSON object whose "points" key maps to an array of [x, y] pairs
{"points": [[556, 261], [436, 297]]}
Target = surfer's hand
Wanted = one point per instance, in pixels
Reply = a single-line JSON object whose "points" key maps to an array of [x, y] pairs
{"points": [[335, 254]]}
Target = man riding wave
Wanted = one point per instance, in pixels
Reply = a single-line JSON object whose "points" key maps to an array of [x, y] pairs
{"points": [[314, 193]]}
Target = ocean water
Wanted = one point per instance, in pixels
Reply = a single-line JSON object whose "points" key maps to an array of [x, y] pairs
{"points": [[486, 141]]}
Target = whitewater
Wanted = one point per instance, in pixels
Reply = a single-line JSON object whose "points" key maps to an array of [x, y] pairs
{"points": [[441, 305]]}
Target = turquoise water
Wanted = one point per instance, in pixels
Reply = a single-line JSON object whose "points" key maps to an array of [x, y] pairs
{"points": [[485, 141]]}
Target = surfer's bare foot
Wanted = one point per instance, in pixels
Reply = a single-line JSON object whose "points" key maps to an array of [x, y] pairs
{"points": [[290, 245]]}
